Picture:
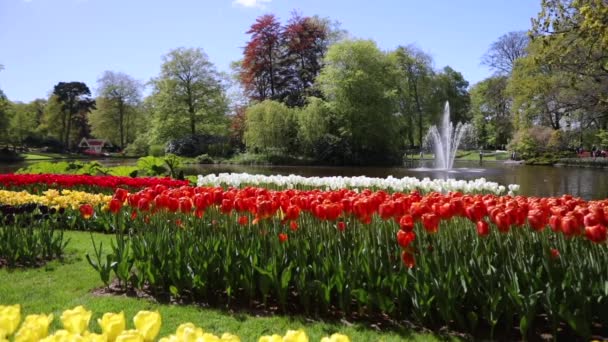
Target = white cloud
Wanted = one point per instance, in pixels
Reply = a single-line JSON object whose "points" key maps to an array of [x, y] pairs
{"points": [[251, 3]]}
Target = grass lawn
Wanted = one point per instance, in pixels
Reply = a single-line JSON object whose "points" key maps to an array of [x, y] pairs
{"points": [[43, 156], [65, 284]]}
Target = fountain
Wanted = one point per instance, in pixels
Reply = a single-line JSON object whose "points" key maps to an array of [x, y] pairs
{"points": [[445, 140]]}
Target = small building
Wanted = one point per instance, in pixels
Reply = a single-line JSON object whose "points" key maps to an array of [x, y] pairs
{"points": [[95, 146]]}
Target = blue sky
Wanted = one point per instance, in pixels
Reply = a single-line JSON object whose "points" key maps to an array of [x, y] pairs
{"points": [[43, 42]]}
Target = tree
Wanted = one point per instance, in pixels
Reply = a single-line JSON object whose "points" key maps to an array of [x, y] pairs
{"points": [[359, 82], [4, 115], [451, 86], [505, 51], [74, 98], [491, 112], [306, 40], [188, 96], [262, 58], [270, 127], [119, 96], [572, 38], [414, 90], [24, 120]]}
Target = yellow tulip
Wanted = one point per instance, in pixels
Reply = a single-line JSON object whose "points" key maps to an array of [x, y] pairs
{"points": [[207, 337], [273, 338], [90, 337], [130, 336], [230, 338], [112, 324], [188, 332], [295, 336], [76, 320], [63, 336], [10, 315], [171, 338], [34, 328], [336, 338], [148, 324]]}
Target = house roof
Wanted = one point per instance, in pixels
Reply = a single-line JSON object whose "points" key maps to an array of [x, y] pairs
{"points": [[94, 142]]}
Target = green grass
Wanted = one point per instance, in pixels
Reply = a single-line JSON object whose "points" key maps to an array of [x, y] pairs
{"points": [[43, 156], [65, 284]]}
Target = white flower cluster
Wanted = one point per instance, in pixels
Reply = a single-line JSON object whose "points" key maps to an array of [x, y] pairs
{"points": [[404, 184]]}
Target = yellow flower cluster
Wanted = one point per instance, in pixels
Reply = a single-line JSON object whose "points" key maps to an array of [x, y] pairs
{"points": [[53, 198], [113, 329]]}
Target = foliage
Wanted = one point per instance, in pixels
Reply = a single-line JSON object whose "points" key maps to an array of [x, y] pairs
{"points": [[270, 126], [535, 141], [188, 97], [491, 111], [281, 63], [28, 237], [602, 135], [119, 96], [314, 121], [191, 146], [4, 115], [157, 150], [75, 103], [74, 281], [360, 259], [358, 83], [140, 146], [414, 92], [451, 86]]}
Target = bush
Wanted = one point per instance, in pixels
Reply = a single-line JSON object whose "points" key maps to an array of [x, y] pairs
{"points": [[204, 159], [195, 145], [139, 147], [157, 150], [7, 155]]}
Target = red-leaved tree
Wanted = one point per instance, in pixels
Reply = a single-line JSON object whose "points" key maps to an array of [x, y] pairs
{"points": [[260, 70]]}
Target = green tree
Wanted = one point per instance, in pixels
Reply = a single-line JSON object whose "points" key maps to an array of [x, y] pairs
{"points": [[491, 112], [414, 91], [188, 96], [359, 82], [572, 39], [270, 126], [5, 105], [24, 120], [76, 102], [119, 96], [451, 86], [314, 122]]}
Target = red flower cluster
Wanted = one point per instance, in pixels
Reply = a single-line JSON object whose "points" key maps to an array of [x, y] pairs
{"points": [[568, 215], [11, 180]]}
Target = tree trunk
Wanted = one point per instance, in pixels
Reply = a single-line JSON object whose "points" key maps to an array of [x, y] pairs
{"points": [[191, 111]]}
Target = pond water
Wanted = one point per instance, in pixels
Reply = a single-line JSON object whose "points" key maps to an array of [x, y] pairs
{"points": [[587, 183]]}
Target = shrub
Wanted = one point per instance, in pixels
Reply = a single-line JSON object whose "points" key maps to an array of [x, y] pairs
{"points": [[204, 159], [194, 145], [157, 150]]}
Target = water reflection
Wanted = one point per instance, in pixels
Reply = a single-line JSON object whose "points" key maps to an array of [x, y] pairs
{"points": [[534, 180]]}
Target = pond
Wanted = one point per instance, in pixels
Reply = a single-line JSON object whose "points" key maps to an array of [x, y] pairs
{"points": [[587, 183]]}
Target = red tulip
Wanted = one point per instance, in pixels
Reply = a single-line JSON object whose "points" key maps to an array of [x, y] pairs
{"points": [[341, 226], [537, 219], [569, 225], [554, 253], [405, 238], [483, 228], [143, 204], [243, 220], [406, 223], [590, 220], [430, 222], [115, 205], [293, 225], [86, 211], [596, 233], [555, 221], [503, 222], [282, 237], [121, 194], [408, 259]]}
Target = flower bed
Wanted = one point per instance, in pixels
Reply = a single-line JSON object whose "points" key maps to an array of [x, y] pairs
{"points": [[113, 328], [469, 261], [390, 183], [70, 181]]}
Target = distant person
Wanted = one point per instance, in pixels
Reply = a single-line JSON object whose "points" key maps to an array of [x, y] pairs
{"points": [[480, 157]]}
